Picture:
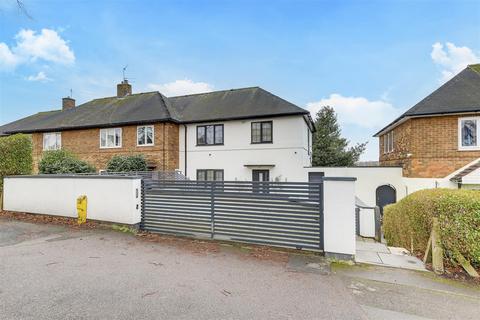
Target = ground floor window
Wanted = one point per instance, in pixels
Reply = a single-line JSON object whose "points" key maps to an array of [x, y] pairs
{"points": [[52, 141], [210, 175]]}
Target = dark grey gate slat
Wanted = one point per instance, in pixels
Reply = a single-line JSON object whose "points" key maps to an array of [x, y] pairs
{"points": [[288, 215]]}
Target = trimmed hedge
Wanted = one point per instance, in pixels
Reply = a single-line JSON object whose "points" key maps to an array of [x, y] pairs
{"points": [[62, 161], [15, 156], [458, 213], [135, 162]]}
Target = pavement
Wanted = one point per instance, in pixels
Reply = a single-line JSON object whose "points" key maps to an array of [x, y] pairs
{"points": [[371, 252], [56, 272]]}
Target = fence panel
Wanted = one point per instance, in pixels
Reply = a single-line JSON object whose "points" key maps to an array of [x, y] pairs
{"points": [[273, 213]]}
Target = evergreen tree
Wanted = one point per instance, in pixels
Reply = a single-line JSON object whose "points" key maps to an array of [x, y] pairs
{"points": [[329, 148]]}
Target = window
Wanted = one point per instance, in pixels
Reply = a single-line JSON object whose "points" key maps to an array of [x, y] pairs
{"points": [[210, 175], [111, 138], [52, 141], [468, 131], [210, 135], [145, 136], [388, 142], [262, 132]]}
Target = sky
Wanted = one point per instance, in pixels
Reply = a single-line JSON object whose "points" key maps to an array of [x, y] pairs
{"points": [[369, 60]]}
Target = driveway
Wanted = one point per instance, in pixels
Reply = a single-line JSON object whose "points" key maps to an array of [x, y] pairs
{"points": [[56, 272]]}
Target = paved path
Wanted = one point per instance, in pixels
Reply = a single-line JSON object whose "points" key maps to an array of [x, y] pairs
{"points": [[51, 272], [371, 252]]}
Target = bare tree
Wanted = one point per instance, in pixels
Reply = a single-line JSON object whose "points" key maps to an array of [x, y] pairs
{"points": [[22, 9]]}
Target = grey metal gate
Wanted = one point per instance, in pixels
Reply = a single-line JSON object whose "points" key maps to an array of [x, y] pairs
{"points": [[286, 214]]}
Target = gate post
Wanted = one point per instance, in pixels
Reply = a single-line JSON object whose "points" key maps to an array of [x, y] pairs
{"points": [[212, 209], [321, 216], [142, 204], [339, 217]]}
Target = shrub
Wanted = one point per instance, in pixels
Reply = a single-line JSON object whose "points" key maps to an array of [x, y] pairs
{"points": [[62, 161], [458, 213], [127, 163], [15, 156]]}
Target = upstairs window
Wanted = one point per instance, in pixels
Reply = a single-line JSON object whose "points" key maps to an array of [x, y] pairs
{"points": [[262, 132], [145, 136], [210, 135], [468, 132], [388, 142], [111, 138], [52, 141]]}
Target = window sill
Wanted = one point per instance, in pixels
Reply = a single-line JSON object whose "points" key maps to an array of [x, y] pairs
{"points": [[209, 145], [269, 142], [470, 149], [145, 145]]}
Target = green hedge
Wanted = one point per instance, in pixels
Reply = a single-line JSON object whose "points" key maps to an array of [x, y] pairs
{"points": [[128, 163], [62, 161], [458, 212], [15, 156]]}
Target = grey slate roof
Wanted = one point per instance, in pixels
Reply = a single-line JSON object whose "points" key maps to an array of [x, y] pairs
{"points": [[458, 177], [461, 94], [231, 104], [153, 106]]}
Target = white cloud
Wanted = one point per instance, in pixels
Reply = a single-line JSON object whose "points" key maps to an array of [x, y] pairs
{"points": [[32, 46], [453, 59], [357, 110], [8, 60], [181, 87], [41, 76]]}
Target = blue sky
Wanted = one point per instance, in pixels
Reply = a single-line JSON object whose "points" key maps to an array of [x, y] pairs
{"points": [[370, 60]]}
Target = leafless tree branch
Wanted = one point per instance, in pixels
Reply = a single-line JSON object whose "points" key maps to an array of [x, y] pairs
{"points": [[21, 7]]}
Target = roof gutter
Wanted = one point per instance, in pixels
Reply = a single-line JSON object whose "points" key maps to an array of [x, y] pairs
{"points": [[170, 119], [94, 126]]}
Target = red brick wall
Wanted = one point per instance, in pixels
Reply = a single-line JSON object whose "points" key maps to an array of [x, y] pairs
{"points": [[86, 145], [432, 143]]}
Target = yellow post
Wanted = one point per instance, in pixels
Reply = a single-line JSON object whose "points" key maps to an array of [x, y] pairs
{"points": [[82, 209]]}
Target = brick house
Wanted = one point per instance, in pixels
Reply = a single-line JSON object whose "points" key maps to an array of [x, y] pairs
{"points": [[439, 137], [238, 134]]}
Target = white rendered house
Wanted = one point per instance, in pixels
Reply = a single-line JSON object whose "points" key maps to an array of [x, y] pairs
{"points": [[259, 149]]}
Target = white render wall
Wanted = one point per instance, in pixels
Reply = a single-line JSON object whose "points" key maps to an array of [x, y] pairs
{"points": [[289, 152], [368, 179], [367, 222], [113, 199], [339, 217]]}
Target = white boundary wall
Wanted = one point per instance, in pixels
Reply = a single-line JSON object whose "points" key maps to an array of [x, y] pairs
{"points": [[339, 217], [112, 199], [368, 179], [367, 222]]}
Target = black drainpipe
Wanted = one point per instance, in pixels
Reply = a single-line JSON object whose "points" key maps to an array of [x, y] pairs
{"points": [[185, 126]]}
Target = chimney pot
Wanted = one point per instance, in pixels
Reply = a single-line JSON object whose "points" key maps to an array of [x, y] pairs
{"points": [[68, 103], [124, 89]]}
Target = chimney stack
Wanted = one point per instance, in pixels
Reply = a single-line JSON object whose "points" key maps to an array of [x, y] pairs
{"points": [[124, 89], [68, 103]]}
